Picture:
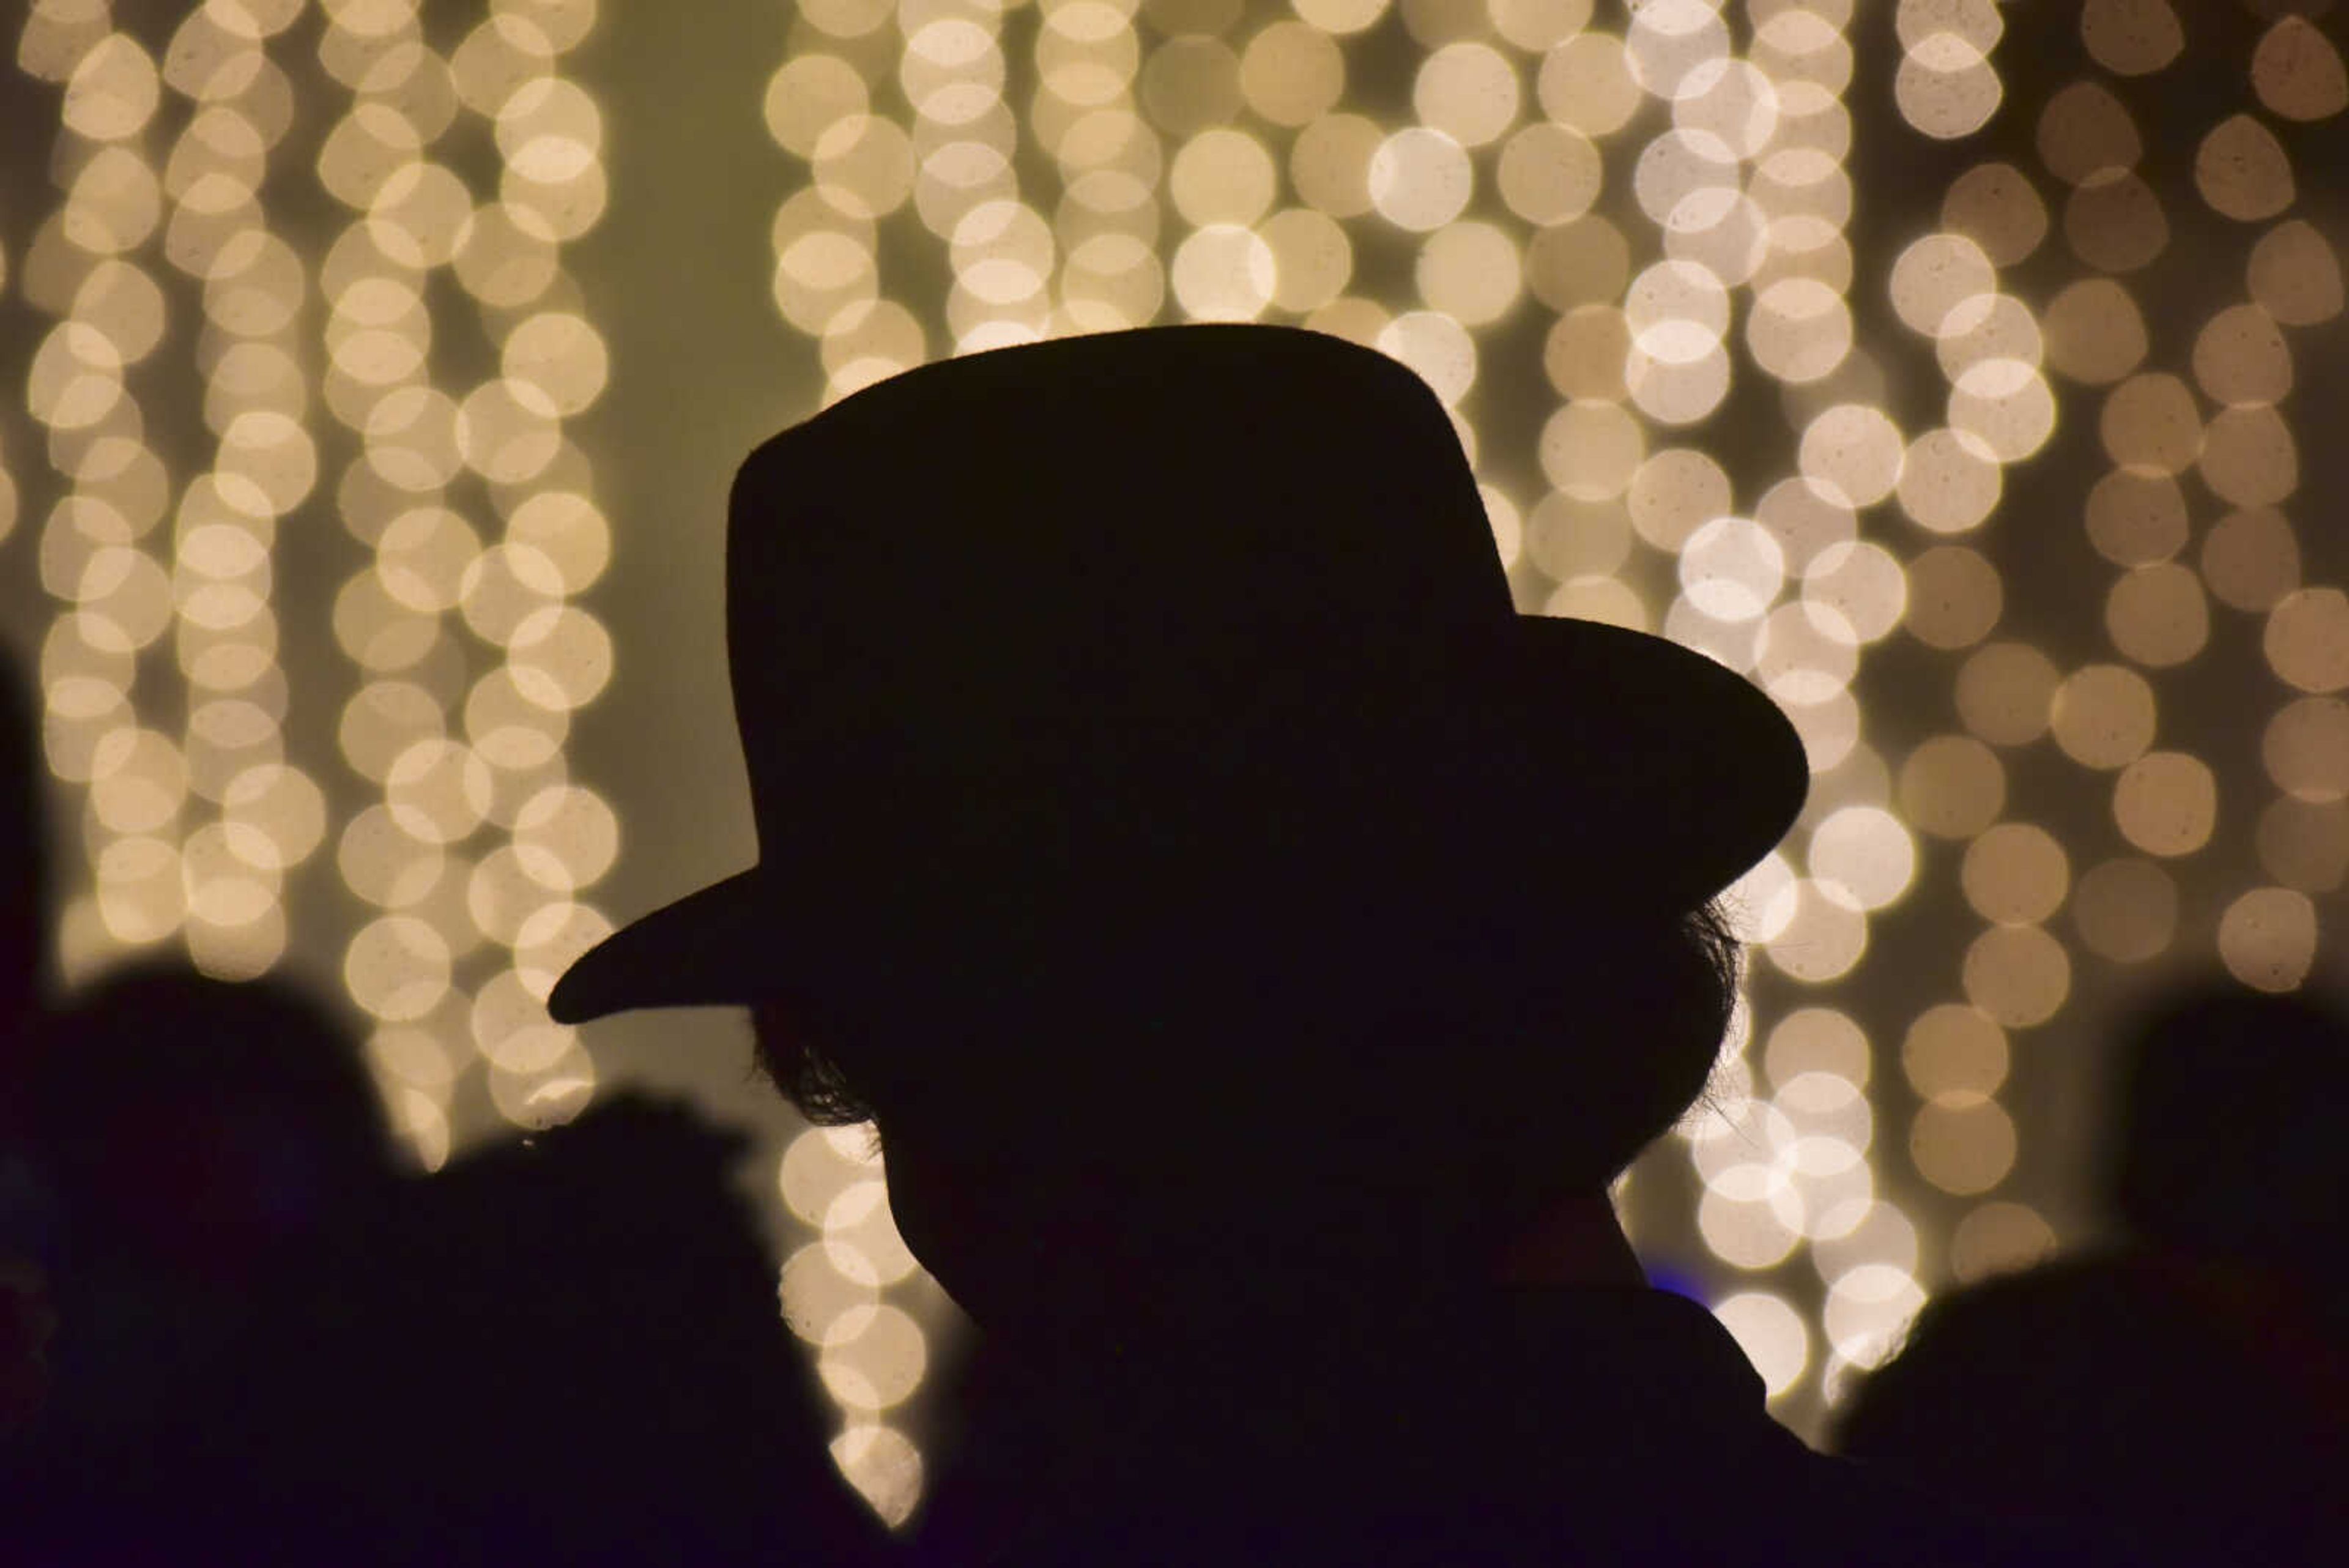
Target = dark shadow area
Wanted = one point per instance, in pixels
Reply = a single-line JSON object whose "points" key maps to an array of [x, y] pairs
{"points": [[269, 1347], [2186, 1387]]}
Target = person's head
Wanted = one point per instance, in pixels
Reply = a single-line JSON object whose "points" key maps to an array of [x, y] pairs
{"points": [[2227, 1130], [1389, 1113], [203, 1122], [1169, 828]]}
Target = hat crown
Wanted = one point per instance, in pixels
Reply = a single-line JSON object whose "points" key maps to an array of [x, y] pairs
{"points": [[1131, 527]]}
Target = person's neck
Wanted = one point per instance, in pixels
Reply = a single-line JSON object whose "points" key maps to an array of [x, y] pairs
{"points": [[1576, 1241]]}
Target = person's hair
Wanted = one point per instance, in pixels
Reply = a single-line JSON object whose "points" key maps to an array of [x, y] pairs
{"points": [[1561, 1049]]}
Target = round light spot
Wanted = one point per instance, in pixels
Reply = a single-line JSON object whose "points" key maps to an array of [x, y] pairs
{"points": [[2005, 692], [2167, 802], [1731, 569], [2240, 358], [1292, 72], [1470, 271], [2297, 72], [2113, 222], [568, 532], [566, 838], [1548, 173], [508, 731], [1223, 273], [1824, 938], [1420, 179], [438, 790], [1467, 91], [1586, 84], [2016, 874], [561, 356], [1591, 450], [2126, 909], [1865, 852], [1935, 275], [1329, 165], [274, 816], [508, 431], [865, 166], [1997, 207], [1852, 451], [1860, 582], [2307, 640], [2248, 457], [1190, 83], [1800, 329], [2131, 37], [1954, 1052], [2305, 749], [1868, 1308], [1437, 348], [1951, 786], [1001, 252], [1341, 16], [1312, 258], [2149, 422], [2158, 616], [2136, 517], [883, 1465], [1583, 261], [396, 967], [2242, 171], [2084, 131], [2304, 844], [380, 862], [1772, 1335], [113, 91], [2103, 716], [1951, 479], [1945, 88], [2267, 939], [2250, 559], [2294, 275], [2094, 331], [561, 657], [2019, 976], [422, 555], [1954, 597], [1222, 176], [1999, 1239], [1804, 655], [1756, 1231], [879, 1365]]}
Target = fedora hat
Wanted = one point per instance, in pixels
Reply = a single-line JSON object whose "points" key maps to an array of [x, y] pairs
{"points": [[1151, 650]]}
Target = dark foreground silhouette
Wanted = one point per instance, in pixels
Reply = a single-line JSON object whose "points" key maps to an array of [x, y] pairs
{"points": [[1257, 946], [2189, 1386], [270, 1347]]}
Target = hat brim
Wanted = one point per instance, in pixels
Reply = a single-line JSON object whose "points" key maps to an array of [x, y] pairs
{"points": [[1628, 771]]}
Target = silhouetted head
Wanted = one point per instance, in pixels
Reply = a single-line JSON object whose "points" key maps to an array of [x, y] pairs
{"points": [[200, 1121], [1057, 1156], [2227, 1135], [1171, 832]]}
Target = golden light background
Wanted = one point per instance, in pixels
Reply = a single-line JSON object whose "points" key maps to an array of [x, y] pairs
{"points": [[1963, 374]]}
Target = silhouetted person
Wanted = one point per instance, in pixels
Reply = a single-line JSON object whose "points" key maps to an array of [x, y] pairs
{"points": [[1257, 946], [272, 1348], [24, 876], [195, 1141], [2189, 1384], [27, 1312]]}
